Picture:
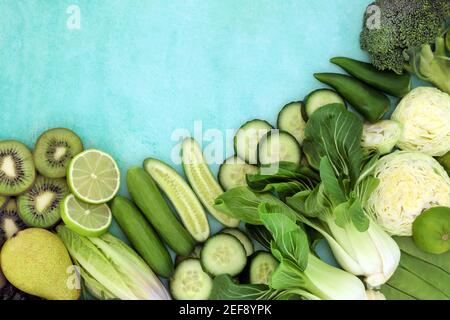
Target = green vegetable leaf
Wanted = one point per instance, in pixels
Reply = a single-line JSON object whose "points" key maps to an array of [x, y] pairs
{"points": [[260, 234], [225, 289], [351, 212], [290, 239], [287, 276], [330, 182]]}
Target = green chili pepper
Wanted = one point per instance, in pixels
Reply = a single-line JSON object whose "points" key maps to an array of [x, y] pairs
{"points": [[397, 85], [371, 103]]}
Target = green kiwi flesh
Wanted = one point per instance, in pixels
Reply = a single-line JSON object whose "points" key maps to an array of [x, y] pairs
{"points": [[17, 171], [53, 151], [40, 205], [10, 222]]}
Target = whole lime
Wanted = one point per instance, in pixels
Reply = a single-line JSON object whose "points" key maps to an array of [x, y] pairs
{"points": [[431, 230]]}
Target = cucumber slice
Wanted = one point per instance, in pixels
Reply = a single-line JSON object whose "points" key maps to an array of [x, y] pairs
{"points": [[233, 172], [181, 196], [243, 238], [279, 146], [262, 265], [320, 98], [290, 119], [202, 180], [190, 282], [247, 138], [223, 254]]}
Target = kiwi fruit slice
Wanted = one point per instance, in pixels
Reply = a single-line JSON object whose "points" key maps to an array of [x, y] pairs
{"points": [[17, 171], [10, 222], [431, 230], [40, 205], [53, 151]]}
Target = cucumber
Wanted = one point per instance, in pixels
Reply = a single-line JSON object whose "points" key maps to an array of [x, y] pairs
{"points": [[290, 119], [190, 282], [148, 198], [247, 138], [202, 180], [223, 254], [278, 146], [142, 236], [182, 198], [320, 98], [262, 265], [233, 172], [243, 238], [194, 254]]}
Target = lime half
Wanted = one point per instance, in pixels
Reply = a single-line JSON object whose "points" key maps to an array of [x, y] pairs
{"points": [[90, 220], [93, 176]]}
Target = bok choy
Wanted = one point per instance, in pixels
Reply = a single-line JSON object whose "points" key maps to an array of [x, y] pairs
{"points": [[111, 269]]}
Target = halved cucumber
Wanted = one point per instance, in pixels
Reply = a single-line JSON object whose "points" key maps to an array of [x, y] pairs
{"points": [[290, 119], [223, 254], [242, 237], [247, 138], [320, 98], [262, 265], [202, 180], [278, 146], [181, 196], [233, 172], [190, 282]]}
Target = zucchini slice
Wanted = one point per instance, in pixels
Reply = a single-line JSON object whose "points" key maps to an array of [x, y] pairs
{"points": [[320, 98], [278, 146], [190, 282], [243, 238], [247, 138], [202, 180], [290, 119], [233, 172], [223, 254]]}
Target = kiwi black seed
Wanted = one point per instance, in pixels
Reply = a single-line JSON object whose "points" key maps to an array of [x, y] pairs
{"points": [[17, 170], [39, 206], [53, 151], [10, 222]]}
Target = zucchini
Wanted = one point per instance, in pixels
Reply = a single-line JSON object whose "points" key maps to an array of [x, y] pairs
{"points": [[320, 98], [223, 254], [142, 236], [290, 119], [182, 198], [242, 237], [190, 282], [279, 146], [202, 180], [148, 198], [262, 265], [247, 138], [233, 172]]}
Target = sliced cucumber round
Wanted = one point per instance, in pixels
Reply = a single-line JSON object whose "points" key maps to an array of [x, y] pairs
{"points": [[243, 238], [262, 265], [181, 196], [233, 172], [320, 98], [202, 180], [290, 119], [277, 146], [190, 282], [247, 138], [223, 254]]}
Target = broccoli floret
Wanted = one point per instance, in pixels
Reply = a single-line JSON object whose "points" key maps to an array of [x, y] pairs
{"points": [[402, 24]]}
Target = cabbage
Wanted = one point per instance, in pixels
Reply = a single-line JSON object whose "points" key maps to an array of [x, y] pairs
{"points": [[111, 269], [425, 116], [409, 182], [381, 136]]}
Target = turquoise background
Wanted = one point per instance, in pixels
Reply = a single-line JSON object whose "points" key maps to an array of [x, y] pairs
{"points": [[138, 70]]}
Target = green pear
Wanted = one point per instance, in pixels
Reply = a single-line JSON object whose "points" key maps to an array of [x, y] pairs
{"points": [[36, 262]]}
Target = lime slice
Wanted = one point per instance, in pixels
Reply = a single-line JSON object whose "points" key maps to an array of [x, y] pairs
{"points": [[90, 220], [93, 176]]}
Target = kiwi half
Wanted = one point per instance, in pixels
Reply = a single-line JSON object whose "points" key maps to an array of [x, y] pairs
{"points": [[53, 151], [10, 222], [39, 206], [17, 170]]}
